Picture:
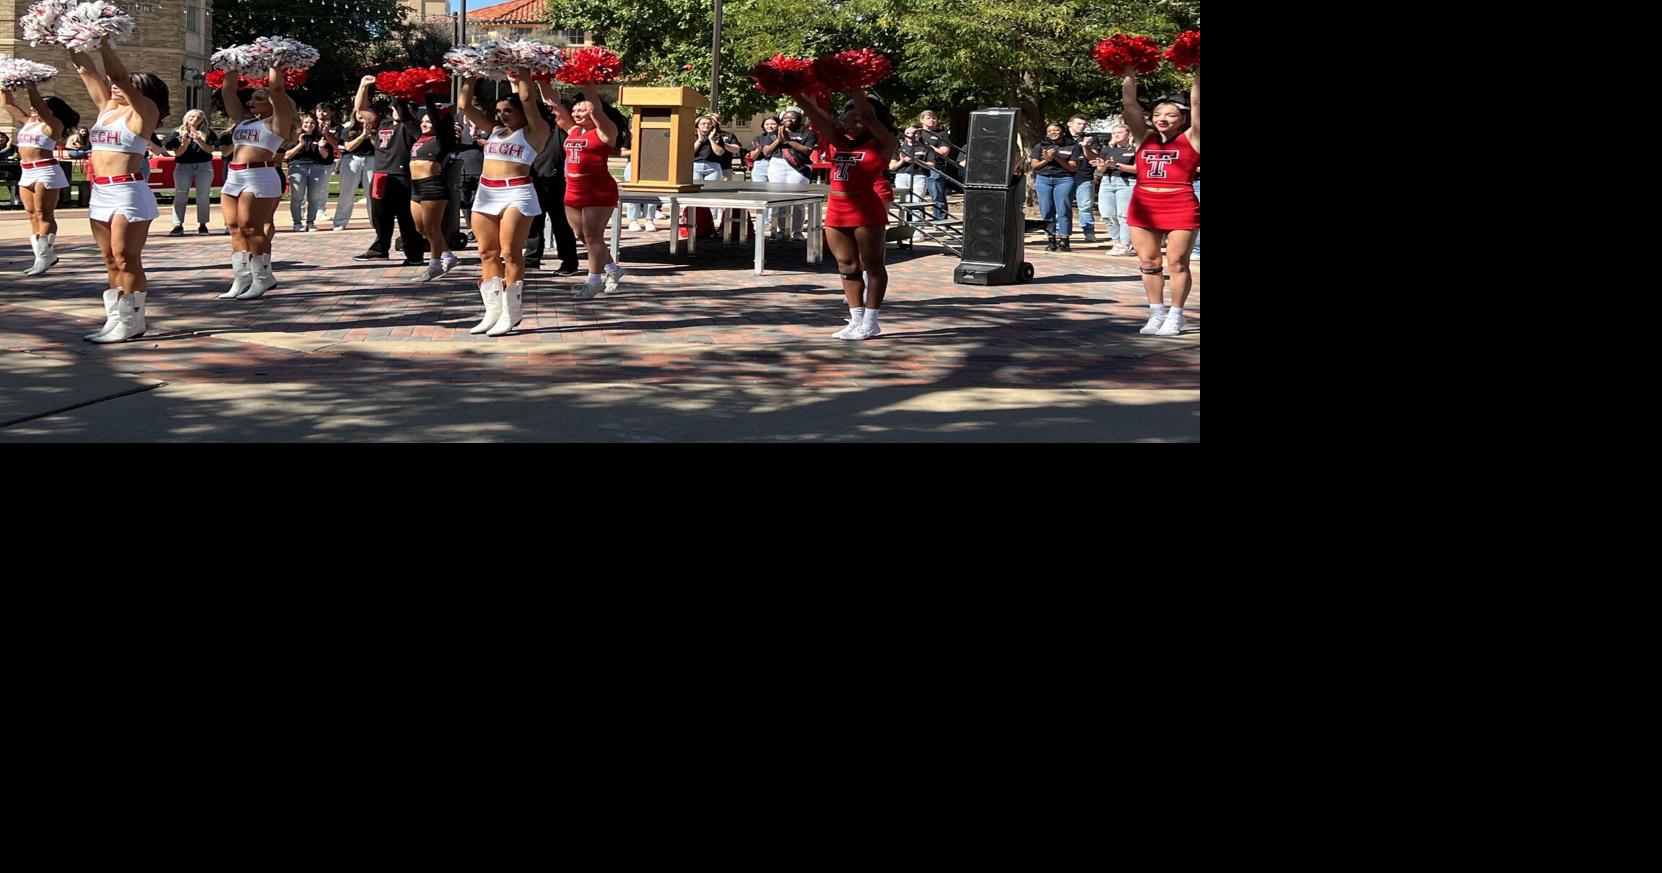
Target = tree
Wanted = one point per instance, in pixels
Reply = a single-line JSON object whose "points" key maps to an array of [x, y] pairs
{"points": [[349, 35], [949, 57]]}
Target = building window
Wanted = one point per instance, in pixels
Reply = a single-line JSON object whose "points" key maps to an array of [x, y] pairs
{"points": [[193, 97], [193, 19]]}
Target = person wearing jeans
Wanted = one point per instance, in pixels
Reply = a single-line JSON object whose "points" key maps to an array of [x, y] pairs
{"points": [[943, 151], [1054, 162], [354, 168], [193, 167], [1084, 192], [1117, 163], [708, 149], [1194, 253], [310, 162]]}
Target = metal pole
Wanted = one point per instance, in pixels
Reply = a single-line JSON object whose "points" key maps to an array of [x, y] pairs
{"points": [[715, 62]]}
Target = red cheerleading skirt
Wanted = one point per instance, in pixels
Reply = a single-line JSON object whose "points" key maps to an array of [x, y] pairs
{"points": [[864, 209], [591, 189], [1164, 210]]}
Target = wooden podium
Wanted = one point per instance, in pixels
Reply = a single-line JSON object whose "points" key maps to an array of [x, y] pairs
{"points": [[663, 131]]}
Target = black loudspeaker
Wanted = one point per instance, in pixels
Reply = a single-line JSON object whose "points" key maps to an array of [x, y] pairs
{"points": [[994, 227], [990, 153]]}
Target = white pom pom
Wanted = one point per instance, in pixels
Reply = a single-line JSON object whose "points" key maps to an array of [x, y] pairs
{"points": [[464, 60], [286, 53], [40, 23], [18, 73], [85, 26]]}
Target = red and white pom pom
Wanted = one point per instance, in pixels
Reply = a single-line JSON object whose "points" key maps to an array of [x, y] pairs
{"points": [[18, 73], [85, 26], [1119, 51], [234, 59], [784, 76], [1184, 54], [589, 65], [463, 60], [40, 23], [850, 71], [281, 51], [496, 58]]}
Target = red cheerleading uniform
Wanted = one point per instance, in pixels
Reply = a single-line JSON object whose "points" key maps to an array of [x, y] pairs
{"points": [[856, 168], [1165, 165], [588, 181]]}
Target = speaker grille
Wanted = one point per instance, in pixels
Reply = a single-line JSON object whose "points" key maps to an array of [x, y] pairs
{"points": [[991, 147]]}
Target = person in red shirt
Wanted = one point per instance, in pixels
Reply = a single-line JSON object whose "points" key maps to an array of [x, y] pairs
{"points": [[1164, 202], [858, 146]]}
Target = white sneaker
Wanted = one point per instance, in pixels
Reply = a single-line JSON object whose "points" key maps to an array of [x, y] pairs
{"points": [[612, 278], [843, 334], [435, 269], [634, 227], [1173, 325], [651, 225], [449, 261], [1154, 322], [590, 290], [861, 331]]}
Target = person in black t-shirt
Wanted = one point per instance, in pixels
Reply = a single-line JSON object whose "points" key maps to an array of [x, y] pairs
{"points": [[396, 131], [942, 160], [1054, 161], [1084, 189], [192, 148], [548, 174], [358, 155], [1116, 178], [309, 161], [790, 163]]}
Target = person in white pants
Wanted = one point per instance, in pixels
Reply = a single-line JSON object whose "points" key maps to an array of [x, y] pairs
{"points": [[790, 164]]}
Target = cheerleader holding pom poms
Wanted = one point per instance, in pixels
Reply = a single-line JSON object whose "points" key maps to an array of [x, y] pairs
{"points": [[858, 145], [506, 201], [38, 134], [1164, 204], [131, 107], [253, 187]]}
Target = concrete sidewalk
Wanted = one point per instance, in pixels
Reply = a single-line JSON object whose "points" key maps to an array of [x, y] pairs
{"points": [[688, 349]]}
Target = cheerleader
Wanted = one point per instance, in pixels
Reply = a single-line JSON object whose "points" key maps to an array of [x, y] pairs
{"points": [[507, 199], [858, 146], [253, 187], [1164, 202], [131, 107], [38, 133]]}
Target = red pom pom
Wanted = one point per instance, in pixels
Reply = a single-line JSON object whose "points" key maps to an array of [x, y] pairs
{"points": [[1119, 51], [389, 82], [215, 79], [590, 65], [850, 71], [785, 76], [291, 79], [1185, 52]]}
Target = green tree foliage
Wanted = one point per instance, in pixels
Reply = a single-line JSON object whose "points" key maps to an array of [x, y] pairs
{"points": [[948, 55]]}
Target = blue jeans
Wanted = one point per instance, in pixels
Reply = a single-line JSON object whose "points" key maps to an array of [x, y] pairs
{"points": [[1113, 201], [937, 193], [632, 211], [1196, 250], [188, 176], [354, 176], [1085, 196], [1056, 201], [308, 190]]}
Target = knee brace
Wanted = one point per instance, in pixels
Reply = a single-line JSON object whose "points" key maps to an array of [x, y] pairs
{"points": [[1151, 271], [853, 277]]}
